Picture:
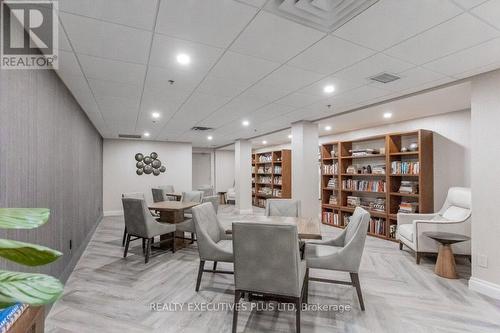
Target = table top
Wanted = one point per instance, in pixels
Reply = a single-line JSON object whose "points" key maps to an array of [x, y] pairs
{"points": [[172, 205], [308, 228], [171, 194], [446, 237]]}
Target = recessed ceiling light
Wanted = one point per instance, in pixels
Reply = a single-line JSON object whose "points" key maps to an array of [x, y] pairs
{"points": [[387, 115], [209, 138], [264, 142], [183, 59], [289, 136], [245, 123], [146, 134], [328, 128], [155, 115], [329, 89]]}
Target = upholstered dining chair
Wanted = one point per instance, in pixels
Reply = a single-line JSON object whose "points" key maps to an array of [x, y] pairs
{"points": [[187, 225], [142, 225], [214, 200], [213, 242], [135, 195], [283, 207], [207, 190], [168, 189], [267, 263], [454, 217], [158, 195], [342, 253]]}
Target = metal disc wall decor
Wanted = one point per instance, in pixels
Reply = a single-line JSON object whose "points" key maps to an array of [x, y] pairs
{"points": [[149, 164]]}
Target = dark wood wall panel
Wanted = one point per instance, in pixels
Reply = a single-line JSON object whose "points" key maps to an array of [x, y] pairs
{"points": [[50, 156]]}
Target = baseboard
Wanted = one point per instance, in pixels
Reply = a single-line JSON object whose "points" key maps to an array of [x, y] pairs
{"points": [[113, 213], [484, 287]]}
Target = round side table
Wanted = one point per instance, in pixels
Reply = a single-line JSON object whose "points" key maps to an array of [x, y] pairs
{"points": [[222, 197], [445, 264]]}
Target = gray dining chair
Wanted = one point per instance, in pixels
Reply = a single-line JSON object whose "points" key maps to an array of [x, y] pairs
{"points": [[213, 242], [267, 263], [142, 225], [214, 199], [168, 189], [282, 207], [187, 225], [206, 189], [342, 253], [135, 195], [158, 195]]}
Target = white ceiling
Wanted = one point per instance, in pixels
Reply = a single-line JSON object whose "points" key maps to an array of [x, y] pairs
{"points": [[117, 57]]}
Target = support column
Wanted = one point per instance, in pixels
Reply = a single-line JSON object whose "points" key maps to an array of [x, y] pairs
{"points": [[305, 177], [243, 176]]}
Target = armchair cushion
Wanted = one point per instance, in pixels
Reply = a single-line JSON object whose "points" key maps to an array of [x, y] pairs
{"points": [[314, 251], [406, 231], [455, 213]]}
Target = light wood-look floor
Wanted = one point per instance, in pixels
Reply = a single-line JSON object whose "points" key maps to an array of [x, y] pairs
{"points": [[107, 293]]}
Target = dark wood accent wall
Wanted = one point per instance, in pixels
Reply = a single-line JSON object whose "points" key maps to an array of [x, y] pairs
{"points": [[50, 156]]}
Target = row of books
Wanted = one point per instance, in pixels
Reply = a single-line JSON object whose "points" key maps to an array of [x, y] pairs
{"points": [[331, 169], [277, 180], [260, 202], [331, 218], [364, 185], [263, 169], [378, 169], [408, 186], [333, 200], [364, 152], [265, 190], [374, 204], [405, 168], [376, 226], [277, 192], [408, 207], [333, 183], [265, 158], [277, 169], [264, 180]]}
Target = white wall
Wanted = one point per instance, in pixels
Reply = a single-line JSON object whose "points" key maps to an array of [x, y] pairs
{"points": [[224, 170], [202, 169], [119, 170], [452, 147], [485, 184]]}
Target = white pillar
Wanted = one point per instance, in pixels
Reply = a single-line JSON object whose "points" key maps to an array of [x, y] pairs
{"points": [[485, 184], [243, 176], [305, 177]]}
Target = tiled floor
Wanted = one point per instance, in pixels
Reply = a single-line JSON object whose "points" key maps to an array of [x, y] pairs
{"points": [[107, 293]]}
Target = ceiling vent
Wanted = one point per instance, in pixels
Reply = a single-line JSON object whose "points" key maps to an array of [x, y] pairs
{"points": [[129, 136], [201, 128], [385, 78], [325, 15]]}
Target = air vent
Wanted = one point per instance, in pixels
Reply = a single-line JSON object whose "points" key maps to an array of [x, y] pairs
{"points": [[129, 136], [201, 128], [385, 78], [325, 15]]}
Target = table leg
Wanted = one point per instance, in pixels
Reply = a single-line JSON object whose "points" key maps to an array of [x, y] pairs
{"points": [[173, 217], [445, 264]]}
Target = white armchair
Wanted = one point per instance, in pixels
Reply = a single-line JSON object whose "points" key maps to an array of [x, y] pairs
{"points": [[231, 195], [454, 217]]}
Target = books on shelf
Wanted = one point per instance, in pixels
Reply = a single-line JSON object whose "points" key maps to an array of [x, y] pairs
{"points": [[277, 169], [331, 169], [277, 180], [264, 169], [408, 207], [374, 204], [265, 191], [333, 183], [353, 201], [331, 218], [333, 200], [364, 185], [377, 205], [277, 192], [376, 226], [378, 169], [392, 230], [408, 187], [405, 168], [364, 152], [265, 158]]}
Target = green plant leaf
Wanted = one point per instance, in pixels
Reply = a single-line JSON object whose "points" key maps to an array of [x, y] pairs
{"points": [[27, 254], [28, 288], [23, 218]]}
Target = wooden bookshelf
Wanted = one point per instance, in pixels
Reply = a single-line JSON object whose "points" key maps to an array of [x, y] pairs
{"points": [[271, 176], [389, 147]]}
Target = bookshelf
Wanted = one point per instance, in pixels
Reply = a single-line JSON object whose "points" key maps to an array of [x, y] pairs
{"points": [[384, 165], [271, 176]]}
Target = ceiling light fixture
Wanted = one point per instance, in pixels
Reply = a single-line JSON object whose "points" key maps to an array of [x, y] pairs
{"points": [[329, 89], [289, 136], [155, 115], [209, 138], [183, 59], [245, 123], [387, 115], [146, 134], [264, 142], [328, 128]]}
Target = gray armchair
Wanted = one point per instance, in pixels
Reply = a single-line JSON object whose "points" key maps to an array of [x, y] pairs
{"points": [[282, 207], [213, 242], [141, 225], [207, 190], [187, 225], [267, 262], [158, 195], [135, 195], [342, 253], [168, 189], [214, 200]]}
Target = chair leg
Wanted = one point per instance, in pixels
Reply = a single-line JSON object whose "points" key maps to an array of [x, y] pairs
{"points": [[357, 285], [215, 265], [148, 250], [237, 296], [192, 237], [200, 273], [306, 292], [144, 246], [127, 243], [124, 236], [298, 305], [417, 258], [400, 245], [173, 242]]}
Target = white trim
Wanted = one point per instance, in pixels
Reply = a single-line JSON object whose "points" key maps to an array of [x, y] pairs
{"points": [[484, 287], [113, 213]]}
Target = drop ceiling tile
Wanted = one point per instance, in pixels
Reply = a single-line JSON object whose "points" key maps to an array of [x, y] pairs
{"points": [[112, 70], [166, 102], [158, 79], [340, 85], [117, 11], [299, 100], [200, 106], [389, 22], [254, 3], [215, 23], [126, 107], [330, 55], [274, 38], [115, 89], [266, 92], [467, 4], [236, 110], [269, 112], [409, 79], [359, 95], [243, 68], [490, 12], [165, 50], [291, 78], [213, 85], [468, 59], [478, 70], [107, 40], [457, 34]]}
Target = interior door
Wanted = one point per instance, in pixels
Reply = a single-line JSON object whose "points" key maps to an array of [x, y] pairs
{"points": [[201, 170]]}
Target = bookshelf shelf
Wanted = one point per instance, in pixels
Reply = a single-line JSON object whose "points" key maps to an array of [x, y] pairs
{"points": [[337, 157], [275, 166]]}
